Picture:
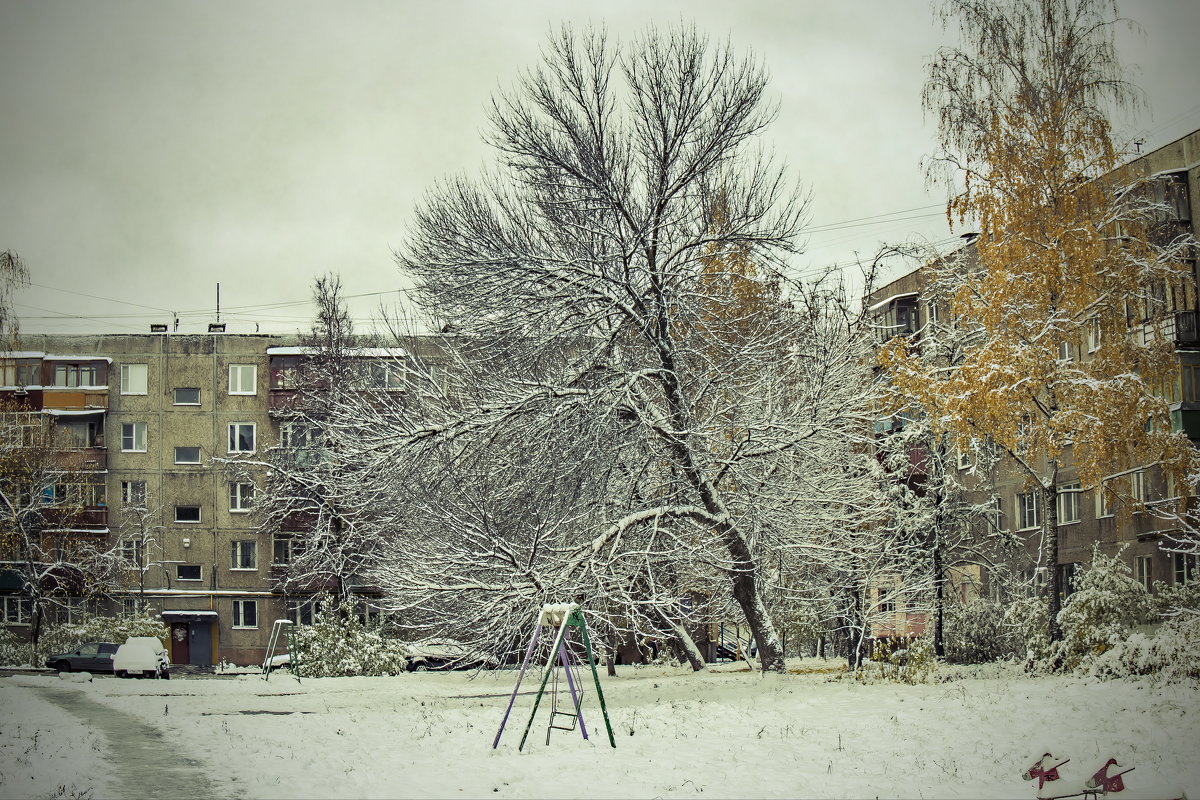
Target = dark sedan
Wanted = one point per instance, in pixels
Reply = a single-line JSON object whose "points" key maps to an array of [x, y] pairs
{"points": [[88, 657]]}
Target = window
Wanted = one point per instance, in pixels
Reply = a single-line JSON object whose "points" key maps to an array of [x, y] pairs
{"points": [[129, 606], [1170, 195], [1093, 334], [241, 437], [301, 612], [997, 514], [243, 555], [188, 514], [285, 547], [886, 604], [1185, 568], [1137, 486], [187, 572], [386, 374], [294, 435], [133, 437], [133, 379], [1144, 568], [16, 610], [131, 551], [1028, 515], [1068, 503], [1066, 578], [72, 611], [133, 494], [1066, 352], [1103, 507], [245, 613], [187, 396], [71, 375], [964, 458], [243, 379], [187, 455], [241, 495], [15, 372]]}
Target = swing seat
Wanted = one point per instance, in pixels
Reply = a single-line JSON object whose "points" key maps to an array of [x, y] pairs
{"points": [[558, 725]]}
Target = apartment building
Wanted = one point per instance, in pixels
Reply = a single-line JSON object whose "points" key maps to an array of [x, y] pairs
{"points": [[1087, 516], [166, 430]]}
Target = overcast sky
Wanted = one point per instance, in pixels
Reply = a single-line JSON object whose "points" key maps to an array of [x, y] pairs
{"points": [[150, 150]]}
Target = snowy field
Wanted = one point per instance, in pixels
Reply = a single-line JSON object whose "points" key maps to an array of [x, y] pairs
{"points": [[723, 733]]}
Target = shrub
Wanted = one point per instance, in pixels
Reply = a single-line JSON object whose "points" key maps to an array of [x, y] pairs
{"points": [[976, 633], [899, 660], [1171, 652], [1102, 611], [335, 646], [13, 651]]}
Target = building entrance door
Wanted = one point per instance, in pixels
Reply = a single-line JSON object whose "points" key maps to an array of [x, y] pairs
{"points": [[180, 643]]}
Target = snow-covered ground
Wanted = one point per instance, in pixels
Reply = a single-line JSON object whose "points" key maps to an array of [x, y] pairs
{"points": [[723, 733]]}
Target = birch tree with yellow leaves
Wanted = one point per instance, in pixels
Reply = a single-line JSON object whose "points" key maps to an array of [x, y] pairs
{"points": [[1065, 299]]}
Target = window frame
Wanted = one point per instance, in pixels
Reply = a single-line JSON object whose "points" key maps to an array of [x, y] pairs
{"points": [[1143, 571], [131, 493], [199, 572], [1184, 568], [235, 435], [196, 521], [240, 383], [238, 548], [15, 610], [199, 454], [1068, 495], [129, 384], [175, 401], [241, 497], [135, 428], [1028, 510], [239, 614]]}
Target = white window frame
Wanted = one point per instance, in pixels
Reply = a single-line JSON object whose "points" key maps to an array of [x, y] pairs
{"points": [[1093, 334], [235, 436], [1184, 568], [1028, 510], [15, 610], [239, 614], [196, 521], [199, 455], [175, 395], [1137, 486], [199, 573], [238, 379], [132, 551], [1068, 500], [287, 543], [241, 497], [1103, 506], [136, 435], [135, 379], [237, 555], [1144, 571], [133, 493]]}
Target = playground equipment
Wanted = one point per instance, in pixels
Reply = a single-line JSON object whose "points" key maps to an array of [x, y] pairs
{"points": [[270, 659], [1055, 782], [564, 617]]}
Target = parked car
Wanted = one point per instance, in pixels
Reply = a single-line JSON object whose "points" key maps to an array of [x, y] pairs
{"points": [[89, 657], [445, 654], [142, 657]]}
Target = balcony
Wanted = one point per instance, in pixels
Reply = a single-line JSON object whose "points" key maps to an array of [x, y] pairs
{"points": [[1186, 334], [82, 398], [282, 399], [77, 519]]}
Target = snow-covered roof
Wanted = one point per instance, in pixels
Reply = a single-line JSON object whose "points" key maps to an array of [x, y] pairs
{"points": [[187, 612], [72, 412], [23, 354], [105, 359], [891, 299], [357, 352]]}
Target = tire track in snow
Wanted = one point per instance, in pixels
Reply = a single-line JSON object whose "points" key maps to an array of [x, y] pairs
{"points": [[144, 762]]}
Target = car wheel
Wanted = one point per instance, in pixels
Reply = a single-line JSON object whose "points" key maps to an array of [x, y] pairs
{"points": [[63, 666], [122, 673], [150, 673], [420, 666]]}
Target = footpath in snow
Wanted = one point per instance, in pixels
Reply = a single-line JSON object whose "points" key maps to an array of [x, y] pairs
{"points": [[722, 733]]}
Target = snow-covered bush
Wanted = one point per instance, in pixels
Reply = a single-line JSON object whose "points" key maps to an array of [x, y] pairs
{"points": [[976, 633], [899, 660], [1107, 604], [1171, 652], [335, 646], [1025, 623], [13, 652], [1169, 600], [65, 637]]}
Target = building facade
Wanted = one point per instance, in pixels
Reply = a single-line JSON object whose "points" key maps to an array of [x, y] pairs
{"points": [[168, 433]]}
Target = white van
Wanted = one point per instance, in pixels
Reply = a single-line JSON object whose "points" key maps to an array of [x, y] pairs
{"points": [[142, 657]]}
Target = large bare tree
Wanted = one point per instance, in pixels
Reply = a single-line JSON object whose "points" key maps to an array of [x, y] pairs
{"points": [[618, 277]]}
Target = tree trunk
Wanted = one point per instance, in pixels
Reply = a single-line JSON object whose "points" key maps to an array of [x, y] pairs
{"points": [[939, 603], [1050, 500], [686, 646]]}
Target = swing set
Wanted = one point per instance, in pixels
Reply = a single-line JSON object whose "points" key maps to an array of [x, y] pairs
{"points": [[564, 617]]}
